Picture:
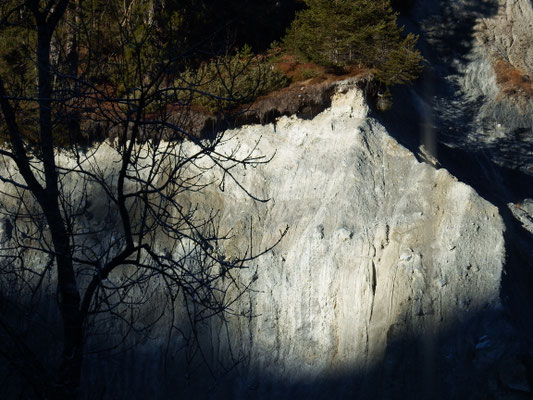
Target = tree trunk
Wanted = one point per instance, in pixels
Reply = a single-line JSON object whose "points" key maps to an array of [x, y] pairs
{"points": [[68, 378]]}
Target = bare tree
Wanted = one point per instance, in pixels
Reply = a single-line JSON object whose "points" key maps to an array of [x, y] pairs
{"points": [[94, 225]]}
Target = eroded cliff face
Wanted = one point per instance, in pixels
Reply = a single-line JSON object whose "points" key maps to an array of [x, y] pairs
{"points": [[473, 107], [389, 273], [387, 284]]}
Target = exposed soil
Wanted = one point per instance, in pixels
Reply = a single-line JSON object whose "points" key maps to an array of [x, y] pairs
{"points": [[305, 98], [513, 82]]}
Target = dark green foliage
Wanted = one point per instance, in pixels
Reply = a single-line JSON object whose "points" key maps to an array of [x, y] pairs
{"points": [[118, 45], [361, 33], [15, 40], [402, 63], [227, 81]]}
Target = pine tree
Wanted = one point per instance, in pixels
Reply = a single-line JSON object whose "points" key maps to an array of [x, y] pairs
{"points": [[363, 33]]}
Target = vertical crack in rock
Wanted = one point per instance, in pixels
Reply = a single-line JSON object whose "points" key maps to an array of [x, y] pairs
{"points": [[374, 282]]}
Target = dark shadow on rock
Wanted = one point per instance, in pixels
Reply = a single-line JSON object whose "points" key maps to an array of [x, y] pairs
{"points": [[478, 358], [448, 28], [437, 113], [465, 362]]}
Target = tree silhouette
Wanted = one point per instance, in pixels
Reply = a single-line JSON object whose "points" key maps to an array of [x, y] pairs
{"points": [[96, 225]]}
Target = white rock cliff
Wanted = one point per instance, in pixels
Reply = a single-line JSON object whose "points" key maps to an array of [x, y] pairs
{"points": [[380, 248], [389, 274]]}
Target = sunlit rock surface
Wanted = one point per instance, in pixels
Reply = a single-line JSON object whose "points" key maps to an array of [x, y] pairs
{"points": [[386, 285], [383, 256]]}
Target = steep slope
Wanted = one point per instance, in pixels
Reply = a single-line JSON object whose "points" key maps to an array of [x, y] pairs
{"points": [[381, 250], [481, 62], [387, 284], [472, 110], [396, 279]]}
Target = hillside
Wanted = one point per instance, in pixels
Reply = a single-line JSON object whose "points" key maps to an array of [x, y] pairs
{"points": [[330, 234]]}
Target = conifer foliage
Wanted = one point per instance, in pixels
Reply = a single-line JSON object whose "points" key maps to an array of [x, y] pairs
{"points": [[361, 33]]}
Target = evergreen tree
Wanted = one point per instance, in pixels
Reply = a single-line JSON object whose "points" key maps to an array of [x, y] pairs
{"points": [[362, 33]]}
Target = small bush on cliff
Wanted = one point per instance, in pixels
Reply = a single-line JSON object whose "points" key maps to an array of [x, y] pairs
{"points": [[227, 81], [363, 33]]}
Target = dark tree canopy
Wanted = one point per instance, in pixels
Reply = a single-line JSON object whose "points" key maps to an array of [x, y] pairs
{"points": [[361, 33]]}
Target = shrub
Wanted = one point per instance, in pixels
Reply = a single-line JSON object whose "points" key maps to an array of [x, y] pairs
{"points": [[225, 82], [512, 81]]}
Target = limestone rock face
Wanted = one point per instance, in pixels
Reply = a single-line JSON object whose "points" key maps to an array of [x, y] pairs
{"points": [[381, 249], [480, 64], [508, 33], [386, 285]]}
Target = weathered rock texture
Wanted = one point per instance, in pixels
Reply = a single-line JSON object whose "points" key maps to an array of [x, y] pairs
{"points": [[509, 33], [381, 250], [478, 85], [387, 284], [474, 108]]}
